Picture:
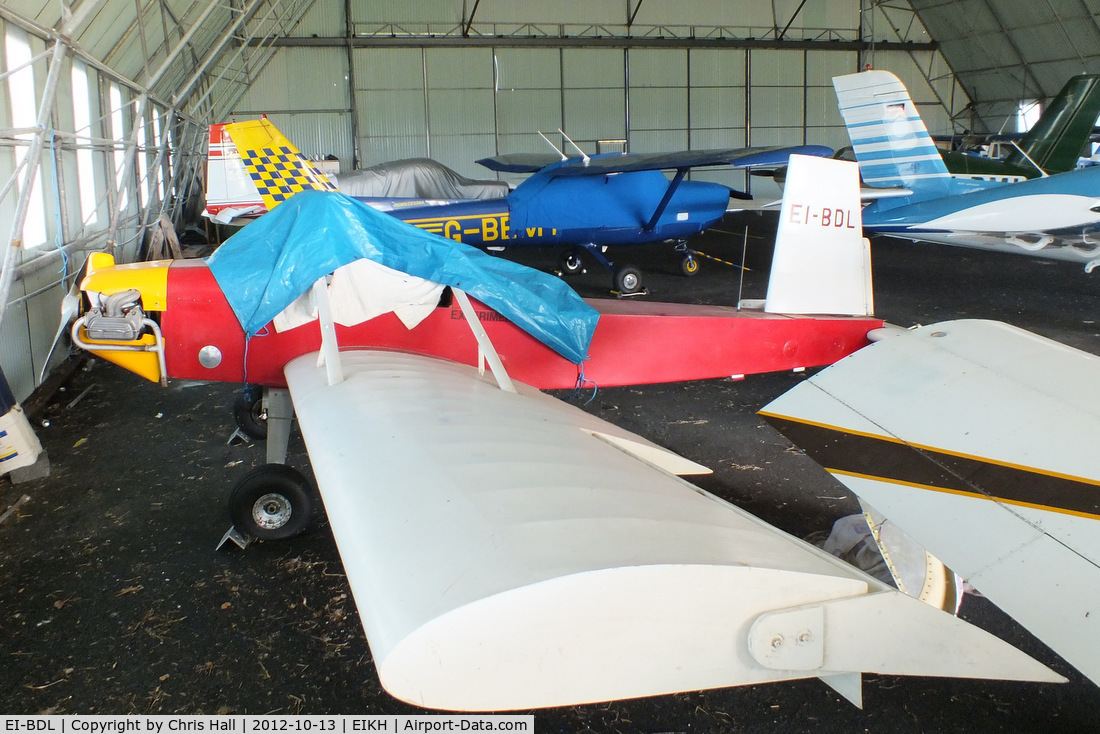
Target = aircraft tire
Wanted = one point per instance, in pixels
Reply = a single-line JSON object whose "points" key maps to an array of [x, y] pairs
{"points": [[689, 266], [248, 412], [271, 502], [628, 279], [571, 262]]}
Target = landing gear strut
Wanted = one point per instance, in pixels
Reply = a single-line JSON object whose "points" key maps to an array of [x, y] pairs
{"points": [[273, 501], [625, 280], [689, 266]]}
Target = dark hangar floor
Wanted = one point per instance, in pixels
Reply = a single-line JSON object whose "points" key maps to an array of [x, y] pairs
{"points": [[112, 599]]}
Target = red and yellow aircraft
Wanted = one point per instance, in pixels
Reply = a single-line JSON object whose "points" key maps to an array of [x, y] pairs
{"points": [[505, 549]]}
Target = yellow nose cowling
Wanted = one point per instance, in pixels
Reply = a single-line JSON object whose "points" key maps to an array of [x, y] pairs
{"points": [[142, 355]]}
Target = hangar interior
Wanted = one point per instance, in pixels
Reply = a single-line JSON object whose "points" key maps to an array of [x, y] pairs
{"points": [[104, 114], [105, 103]]}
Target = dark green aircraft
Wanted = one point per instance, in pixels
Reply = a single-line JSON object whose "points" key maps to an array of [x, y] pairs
{"points": [[1052, 145]]}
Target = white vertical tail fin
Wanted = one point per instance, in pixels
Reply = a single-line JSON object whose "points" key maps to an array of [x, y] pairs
{"points": [[822, 263]]}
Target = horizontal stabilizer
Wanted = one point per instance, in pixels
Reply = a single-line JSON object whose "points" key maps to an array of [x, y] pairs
{"points": [[849, 685], [505, 552], [887, 626], [967, 435], [874, 193]]}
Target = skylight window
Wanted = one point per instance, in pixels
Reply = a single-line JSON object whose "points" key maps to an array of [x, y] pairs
{"points": [[82, 122], [24, 114]]}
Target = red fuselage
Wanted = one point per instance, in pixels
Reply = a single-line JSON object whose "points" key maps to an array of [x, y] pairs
{"points": [[635, 342]]}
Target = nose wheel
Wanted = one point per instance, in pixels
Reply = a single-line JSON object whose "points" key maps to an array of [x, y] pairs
{"points": [[627, 280]]}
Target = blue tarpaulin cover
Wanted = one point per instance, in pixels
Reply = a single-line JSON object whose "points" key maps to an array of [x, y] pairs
{"points": [[276, 258]]}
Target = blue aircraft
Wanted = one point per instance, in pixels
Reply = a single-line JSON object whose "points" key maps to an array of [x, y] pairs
{"points": [[915, 196], [584, 204]]}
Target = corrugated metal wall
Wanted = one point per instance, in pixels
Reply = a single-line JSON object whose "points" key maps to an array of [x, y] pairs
{"points": [[459, 104], [305, 92], [300, 79], [593, 94], [528, 97], [657, 99], [32, 311], [391, 105]]}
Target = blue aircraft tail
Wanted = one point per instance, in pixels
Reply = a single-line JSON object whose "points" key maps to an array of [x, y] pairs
{"points": [[891, 143]]}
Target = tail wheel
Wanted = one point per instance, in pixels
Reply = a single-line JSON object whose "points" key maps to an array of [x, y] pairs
{"points": [[571, 262], [689, 266], [271, 502], [628, 279]]}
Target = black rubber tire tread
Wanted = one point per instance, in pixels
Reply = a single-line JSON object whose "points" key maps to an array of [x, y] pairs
{"points": [[572, 262], [279, 479], [623, 276], [247, 413]]}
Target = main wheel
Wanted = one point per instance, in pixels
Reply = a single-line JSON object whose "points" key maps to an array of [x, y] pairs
{"points": [[271, 502], [571, 262], [689, 266], [628, 279], [249, 413]]}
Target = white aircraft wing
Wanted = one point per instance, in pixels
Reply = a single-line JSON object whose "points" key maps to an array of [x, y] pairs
{"points": [[508, 551], [977, 439]]}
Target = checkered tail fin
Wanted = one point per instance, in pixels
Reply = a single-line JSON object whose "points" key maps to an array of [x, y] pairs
{"points": [[252, 168]]}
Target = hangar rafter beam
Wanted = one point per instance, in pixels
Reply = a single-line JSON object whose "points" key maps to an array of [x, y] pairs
{"points": [[181, 45], [415, 41], [280, 18], [215, 51]]}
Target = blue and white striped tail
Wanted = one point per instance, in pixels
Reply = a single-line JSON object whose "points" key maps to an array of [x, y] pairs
{"points": [[891, 143]]}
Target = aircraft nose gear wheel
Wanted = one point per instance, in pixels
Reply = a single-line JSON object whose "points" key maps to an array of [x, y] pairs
{"points": [[689, 265], [571, 262], [249, 413], [628, 279], [271, 502]]}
